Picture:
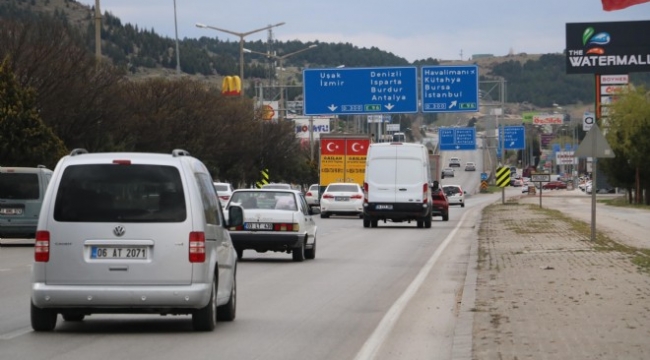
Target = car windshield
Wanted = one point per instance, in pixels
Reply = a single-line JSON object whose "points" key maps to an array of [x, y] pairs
{"points": [[342, 188], [276, 186], [279, 200], [111, 193], [19, 186], [451, 189], [221, 188]]}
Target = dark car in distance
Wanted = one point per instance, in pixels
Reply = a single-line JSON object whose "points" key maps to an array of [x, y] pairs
{"points": [[554, 185]]}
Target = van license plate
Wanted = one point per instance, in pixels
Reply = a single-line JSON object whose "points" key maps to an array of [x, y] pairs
{"points": [[11, 211], [258, 226], [384, 207], [98, 252]]}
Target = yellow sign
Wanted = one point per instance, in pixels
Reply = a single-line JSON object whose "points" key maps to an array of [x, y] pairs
{"points": [[355, 168], [231, 86], [503, 176], [332, 168], [265, 178], [267, 112]]}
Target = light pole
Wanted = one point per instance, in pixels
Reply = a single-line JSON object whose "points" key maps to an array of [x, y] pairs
{"points": [[178, 54], [280, 60], [241, 35]]}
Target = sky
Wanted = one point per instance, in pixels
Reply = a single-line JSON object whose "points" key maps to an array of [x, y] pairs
{"points": [[411, 29]]}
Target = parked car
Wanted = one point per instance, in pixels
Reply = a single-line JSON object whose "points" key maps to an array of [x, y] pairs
{"points": [[447, 172], [470, 166], [454, 162], [440, 205], [133, 233], [342, 199], [554, 185], [455, 195], [312, 195], [275, 220], [224, 190], [21, 195]]}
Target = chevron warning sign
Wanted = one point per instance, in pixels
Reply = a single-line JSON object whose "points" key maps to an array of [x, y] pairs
{"points": [[503, 176], [265, 178]]}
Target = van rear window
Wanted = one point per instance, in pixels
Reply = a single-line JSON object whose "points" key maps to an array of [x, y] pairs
{"points": [[119, 193], [19, 186]]}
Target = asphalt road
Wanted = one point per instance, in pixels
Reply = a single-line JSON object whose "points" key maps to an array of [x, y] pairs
{"points": [[374, 293]]}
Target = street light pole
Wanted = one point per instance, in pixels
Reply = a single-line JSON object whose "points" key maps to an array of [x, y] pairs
{"points": [[98, 31], [281, 59], [241, 36], [178, 54]]}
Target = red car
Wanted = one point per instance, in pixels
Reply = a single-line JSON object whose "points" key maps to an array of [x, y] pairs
{"points": [[554, 185], [440, 206]]}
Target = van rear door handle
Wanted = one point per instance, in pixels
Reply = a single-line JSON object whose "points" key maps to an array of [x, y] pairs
{"points": [[402, 189]]}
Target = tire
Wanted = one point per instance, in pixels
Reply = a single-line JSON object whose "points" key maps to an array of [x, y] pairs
{"points": [[228, 311], [42, 319], [310, 254], [361, 216], [205, 318], [240, 253], [445, 217], [420, 224], [462, 205], [366, 222], [324, 215], [73, 317], [427, 222], [298, 253], [374, 223]]}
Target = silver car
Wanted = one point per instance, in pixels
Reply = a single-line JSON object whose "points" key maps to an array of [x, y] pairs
{"points": [[447, 172], [133, 233]]}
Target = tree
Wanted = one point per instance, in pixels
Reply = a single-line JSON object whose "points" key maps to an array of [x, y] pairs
{"points": [[629, 136], [24, 139]]}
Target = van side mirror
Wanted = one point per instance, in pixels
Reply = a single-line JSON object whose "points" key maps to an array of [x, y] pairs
{"points": [[235, 216]]}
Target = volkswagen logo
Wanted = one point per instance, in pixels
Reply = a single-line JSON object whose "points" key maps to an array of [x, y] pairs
{"points": [[119, 230]]}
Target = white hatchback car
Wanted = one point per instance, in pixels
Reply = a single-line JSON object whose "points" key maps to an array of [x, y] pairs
{"points": [[133, 233], [275, 220], [342, 199], [224, 190], [455, 194], [312, 196]]}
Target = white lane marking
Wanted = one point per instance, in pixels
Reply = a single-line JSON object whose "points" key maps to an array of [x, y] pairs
{"points": [[374, 342], [15, 334], [5, 269]]}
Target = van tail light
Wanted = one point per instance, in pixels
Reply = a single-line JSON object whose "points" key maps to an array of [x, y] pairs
{"points": [[328, 196], [224, 197], [365, 192], [197, 247], [425, 189], [356, 196], [42, 246], [286, 227]]}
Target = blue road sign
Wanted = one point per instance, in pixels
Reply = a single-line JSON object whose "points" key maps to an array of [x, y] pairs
{"points": [[484, 176], [514, 137], [457, 138], [347, 91], [449, 88]]}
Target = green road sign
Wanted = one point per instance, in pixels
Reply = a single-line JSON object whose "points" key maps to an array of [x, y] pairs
{"points": [[373, 107]]}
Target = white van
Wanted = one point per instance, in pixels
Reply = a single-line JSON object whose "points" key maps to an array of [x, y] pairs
{"points": [[396, 185], [133, 233]]}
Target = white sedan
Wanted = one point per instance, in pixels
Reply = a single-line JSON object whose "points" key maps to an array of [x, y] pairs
{"points": [[311, 196], [342, 199], [274, 220]]}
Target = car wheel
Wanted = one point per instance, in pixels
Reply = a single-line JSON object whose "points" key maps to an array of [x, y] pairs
{"points": [[324, 215], [73, 317], [228, 311], [42, 319], [374, 223], [462, 205], [366, 222], [427, 222], [420, 224], [361, 216], [310, 253], [299, 252], [205, 318], [240, 253], [445, 216]]}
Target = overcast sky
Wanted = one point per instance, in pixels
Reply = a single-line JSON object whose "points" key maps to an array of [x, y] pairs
{"points": [[412, 29]]}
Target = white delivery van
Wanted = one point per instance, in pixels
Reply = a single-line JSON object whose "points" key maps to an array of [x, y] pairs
{"points": [[396, 185]]}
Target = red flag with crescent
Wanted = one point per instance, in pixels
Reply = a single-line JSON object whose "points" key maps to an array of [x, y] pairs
{"points": [[611, 5]]}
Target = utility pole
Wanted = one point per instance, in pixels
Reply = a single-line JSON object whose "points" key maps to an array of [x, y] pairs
{"points": [[98, 32]]}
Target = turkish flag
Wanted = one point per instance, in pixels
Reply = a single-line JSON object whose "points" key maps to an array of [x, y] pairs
{"points": [[611, 5]]}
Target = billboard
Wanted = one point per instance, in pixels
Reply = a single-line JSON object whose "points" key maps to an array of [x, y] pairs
{"points": [[320, 126], [546, 119], [343, 158], [607, 47]]}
